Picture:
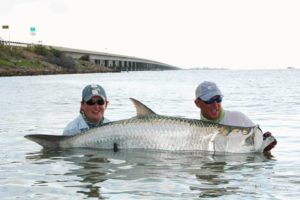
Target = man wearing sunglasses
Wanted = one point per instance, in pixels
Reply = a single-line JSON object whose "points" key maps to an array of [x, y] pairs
{"points": [[209, 99], [92, 107]]}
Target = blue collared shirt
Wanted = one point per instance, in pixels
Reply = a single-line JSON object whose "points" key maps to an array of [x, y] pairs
{"points": [[78, 125]]}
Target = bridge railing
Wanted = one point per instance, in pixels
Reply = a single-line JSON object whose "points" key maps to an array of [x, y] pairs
{"points": [[13, 43]]}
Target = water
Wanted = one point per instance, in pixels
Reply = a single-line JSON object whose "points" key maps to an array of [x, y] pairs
{"points": [[45, 104]]}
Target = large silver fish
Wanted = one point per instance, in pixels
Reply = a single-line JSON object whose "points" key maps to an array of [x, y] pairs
{"points": [[149, 130]]}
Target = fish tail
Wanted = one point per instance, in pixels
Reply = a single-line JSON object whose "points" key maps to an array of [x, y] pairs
{"points": [[47, 141]]}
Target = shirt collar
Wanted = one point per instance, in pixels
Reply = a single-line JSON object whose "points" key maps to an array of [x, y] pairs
{"points": [[91, 124]]}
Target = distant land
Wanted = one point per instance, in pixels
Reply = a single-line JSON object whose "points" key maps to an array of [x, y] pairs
{"points": [[45, 60], [207, 68], [291, 68], [39, 60], [32, 59]]}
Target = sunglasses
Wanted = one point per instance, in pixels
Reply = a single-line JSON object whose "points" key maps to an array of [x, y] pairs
{"points": [[217, 99], [100, 102]]}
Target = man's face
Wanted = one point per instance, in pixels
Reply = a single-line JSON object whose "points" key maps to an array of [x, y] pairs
{"points": [[94, 109], [210, 109]]}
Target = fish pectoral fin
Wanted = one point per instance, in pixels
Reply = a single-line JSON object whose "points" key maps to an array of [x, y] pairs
{"points": [[141, 109], [211, 144]]}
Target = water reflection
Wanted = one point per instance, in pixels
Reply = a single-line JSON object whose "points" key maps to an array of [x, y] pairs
{"points": [[214, 175], [88, 167]]}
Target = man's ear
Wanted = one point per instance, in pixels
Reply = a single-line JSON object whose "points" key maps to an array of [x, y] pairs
{"points": [[197, 102], [106, 104]]}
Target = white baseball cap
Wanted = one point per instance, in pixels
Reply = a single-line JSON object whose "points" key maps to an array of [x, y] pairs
{"points": [[206, 90]]}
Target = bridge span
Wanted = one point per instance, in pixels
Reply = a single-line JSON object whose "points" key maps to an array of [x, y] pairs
{"points": [[115, 61]]}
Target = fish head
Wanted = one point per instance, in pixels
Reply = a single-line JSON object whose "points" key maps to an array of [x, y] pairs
{"points": [[238, 139]]}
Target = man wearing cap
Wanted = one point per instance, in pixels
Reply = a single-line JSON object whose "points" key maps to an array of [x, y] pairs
{"points": [[209, 99], [92, 107]]}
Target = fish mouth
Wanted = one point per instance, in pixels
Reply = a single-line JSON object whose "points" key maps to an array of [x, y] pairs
{"points": [[269, 138], [271, 145]]}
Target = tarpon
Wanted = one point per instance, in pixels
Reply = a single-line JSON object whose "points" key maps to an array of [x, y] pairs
{"points": [[148, 130]]}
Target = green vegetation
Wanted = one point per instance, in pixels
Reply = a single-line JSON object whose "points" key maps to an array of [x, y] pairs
{"points": [[39, 49], [54, 56], [38, 59], [85, 57], [4, 62]]}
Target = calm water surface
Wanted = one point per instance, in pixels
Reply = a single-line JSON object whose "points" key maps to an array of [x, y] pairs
{"points": [[45, 104]]}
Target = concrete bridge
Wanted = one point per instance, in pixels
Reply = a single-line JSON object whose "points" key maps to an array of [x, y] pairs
{"points": [[115, 61]]}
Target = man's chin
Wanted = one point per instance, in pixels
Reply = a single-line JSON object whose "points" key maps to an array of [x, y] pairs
{"points": [[214, 116]]}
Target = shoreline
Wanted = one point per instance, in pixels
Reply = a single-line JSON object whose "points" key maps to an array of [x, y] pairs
{"points": [[29, 72], [38, 60]]}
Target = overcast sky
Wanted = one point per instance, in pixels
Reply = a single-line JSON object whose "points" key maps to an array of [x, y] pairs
{"points": [[235, 34]]}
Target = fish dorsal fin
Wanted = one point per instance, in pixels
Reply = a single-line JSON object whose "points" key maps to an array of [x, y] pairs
{"points": [[141, 109]]}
